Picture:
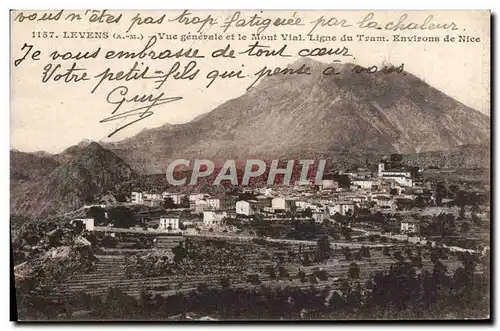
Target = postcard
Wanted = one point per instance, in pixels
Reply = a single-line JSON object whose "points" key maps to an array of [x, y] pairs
{"points": [[250, 165]]}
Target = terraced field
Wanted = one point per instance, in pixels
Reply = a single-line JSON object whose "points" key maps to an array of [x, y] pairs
{"points": [[110, 271]]}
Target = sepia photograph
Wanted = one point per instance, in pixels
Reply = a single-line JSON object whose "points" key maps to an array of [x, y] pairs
{"points": [[194, 165]]}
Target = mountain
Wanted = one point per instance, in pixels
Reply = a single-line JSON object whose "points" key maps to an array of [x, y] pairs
{"points": [[343, 116], [90, 172], [464, 156], [71, 151], [30, 166]]}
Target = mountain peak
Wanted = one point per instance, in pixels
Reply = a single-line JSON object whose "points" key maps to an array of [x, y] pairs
{"points": [[93, 146], [316, 115]]}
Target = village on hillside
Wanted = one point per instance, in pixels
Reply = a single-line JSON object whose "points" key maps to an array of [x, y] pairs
{"points": [[331, 239]]}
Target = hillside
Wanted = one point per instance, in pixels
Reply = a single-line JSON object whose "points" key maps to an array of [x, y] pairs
{"points": [[92, 171], [465, 156], [316, 116], [30, 166]]}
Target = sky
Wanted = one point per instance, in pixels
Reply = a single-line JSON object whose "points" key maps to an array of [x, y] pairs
{"points": [[54, 115]]}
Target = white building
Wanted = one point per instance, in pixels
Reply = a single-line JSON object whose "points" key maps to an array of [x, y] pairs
{"points": [[381, 168], [213, 203], [402, 176], [198, 196], [197, 207], [153, 196], [87, 222], [281, 204], [247, 208], [359, 173], [342, 207], [384, 201], [150, 199], [365, 184], [318, 217], [213, 218], [303, 204], [267, 191], [328, 184], [137, 197], [410, 226], [169, 223], [176, 197], [152, 202], [220, 203]]}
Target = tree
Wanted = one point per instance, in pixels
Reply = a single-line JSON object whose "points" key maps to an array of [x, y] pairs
{"points": [[301, 275], [168, 203], [122, 217], [120, 197], [354, 298], [55, 238], [97, 213], [272, 273], [144, 299], [385, 251], [420, 201], [416, 261], [354, 271], [180, 252], [323, 244], [346, 232], [225, 282], [312, 279], [461, 214], [475, 219], [465, 227], [364, 251], [344, 181], [307, 212], [398, 255], [282, 272], [440, 193], [202, 287], [338, 217], [347, 253], [78, 228], [321, 275], [185, 201], [253, 279], [109, 242], [306, 260], [396, 160]]}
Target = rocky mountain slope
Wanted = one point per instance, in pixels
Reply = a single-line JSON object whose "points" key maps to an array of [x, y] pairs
{"points": [[92, 171], [315, 116]]}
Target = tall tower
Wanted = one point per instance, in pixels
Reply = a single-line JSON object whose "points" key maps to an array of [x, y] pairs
{"points": [[381, 168]]}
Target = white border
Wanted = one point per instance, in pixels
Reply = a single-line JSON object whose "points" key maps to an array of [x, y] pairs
{"points": [[192, 4]]}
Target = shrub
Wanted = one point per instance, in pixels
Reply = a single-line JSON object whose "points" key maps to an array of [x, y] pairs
{"points": [[312, 279], [253, 279], [302, 276], [321, 275], [225, 282], [354, 271], [282, 272]]}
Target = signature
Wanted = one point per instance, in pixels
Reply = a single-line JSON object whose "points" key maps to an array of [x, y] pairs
{"points": [[119, 96]]}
